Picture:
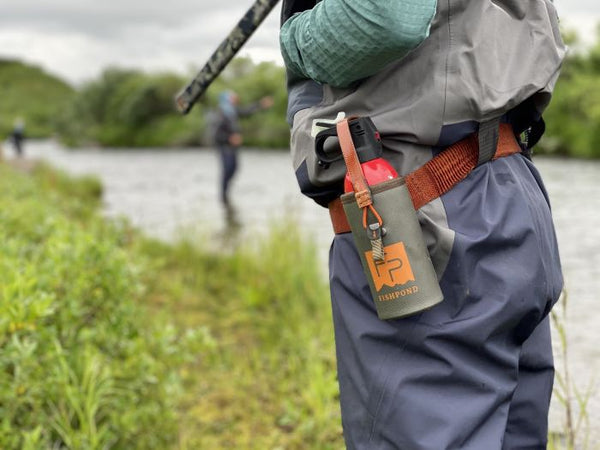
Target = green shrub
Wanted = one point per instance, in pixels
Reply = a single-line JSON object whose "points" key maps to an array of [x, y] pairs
{"points": [[32, 94], [88, 360], [129, 108], [82, 363], [573, 116]]}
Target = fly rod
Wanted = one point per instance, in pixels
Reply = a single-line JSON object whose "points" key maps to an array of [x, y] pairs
{"points": [[223, 54]]}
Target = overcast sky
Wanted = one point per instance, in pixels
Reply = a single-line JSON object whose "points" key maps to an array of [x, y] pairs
{"points": [[76, 39]]}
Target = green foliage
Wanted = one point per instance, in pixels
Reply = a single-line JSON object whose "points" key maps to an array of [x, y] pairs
{"points": [[33, 95], [573, 118], [88, 360], [135, 109], [129, 108], [82, 364], [246, 360], [579, 99], [271, 381]]}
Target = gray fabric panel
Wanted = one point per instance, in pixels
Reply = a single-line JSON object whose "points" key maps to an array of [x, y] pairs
{"points": [[481, 60], [438, 236], [303, 95]]}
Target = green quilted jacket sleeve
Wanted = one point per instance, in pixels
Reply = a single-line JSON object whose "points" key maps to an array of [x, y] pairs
{"points": [[340, 41]]}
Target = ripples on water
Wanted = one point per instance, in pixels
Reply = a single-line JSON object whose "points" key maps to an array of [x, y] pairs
{"points": [[166, 192]]}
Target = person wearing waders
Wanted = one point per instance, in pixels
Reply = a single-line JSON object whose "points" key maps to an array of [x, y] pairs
{"points": [[447, 85], [228, 137]]}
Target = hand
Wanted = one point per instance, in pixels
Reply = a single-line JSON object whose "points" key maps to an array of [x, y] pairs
{"points": [[235, 140], [266, 102]]}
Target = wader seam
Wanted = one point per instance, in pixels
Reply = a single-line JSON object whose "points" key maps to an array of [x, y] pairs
{"points": [[385, 387]]}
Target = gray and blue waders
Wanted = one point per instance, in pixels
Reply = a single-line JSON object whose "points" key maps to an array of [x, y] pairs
{"points": [[475, 371]]}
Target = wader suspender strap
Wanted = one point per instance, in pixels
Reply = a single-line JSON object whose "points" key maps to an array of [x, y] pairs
{"points": [[488, 140], [441, 173]]}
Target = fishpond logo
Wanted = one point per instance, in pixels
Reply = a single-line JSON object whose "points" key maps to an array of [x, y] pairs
{"points": [[394, 270]]}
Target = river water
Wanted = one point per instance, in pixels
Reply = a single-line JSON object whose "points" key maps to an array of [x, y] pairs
{"points": [[168, 193]]}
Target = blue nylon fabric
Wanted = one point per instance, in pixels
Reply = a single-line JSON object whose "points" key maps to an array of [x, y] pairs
{"points": [[303, 94], [532, 396], [229, 163], [474, 372]]}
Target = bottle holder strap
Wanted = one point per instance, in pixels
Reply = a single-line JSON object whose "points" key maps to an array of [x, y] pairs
{"points": [[359, 183]]}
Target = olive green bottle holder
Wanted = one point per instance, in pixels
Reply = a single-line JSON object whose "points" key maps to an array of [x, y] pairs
{"points": [[392, 250]]}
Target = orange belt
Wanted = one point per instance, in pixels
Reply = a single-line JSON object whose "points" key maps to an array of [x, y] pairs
{"points": [[440, 174]]}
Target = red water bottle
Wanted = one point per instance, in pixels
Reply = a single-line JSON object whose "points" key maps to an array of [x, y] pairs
{"points": [[367, 142]]}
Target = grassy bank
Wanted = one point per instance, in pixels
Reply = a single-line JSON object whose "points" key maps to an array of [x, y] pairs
{"points": [[269, 381], [112, 340], [109, 339], [82, 365]]}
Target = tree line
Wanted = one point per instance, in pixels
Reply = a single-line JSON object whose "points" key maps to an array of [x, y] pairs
{"points": [[131, 108], [573, 117]]}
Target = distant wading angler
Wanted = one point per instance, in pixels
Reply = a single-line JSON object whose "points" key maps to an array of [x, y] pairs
{"points": [[228, 137], [18, 136], [455, 91]]}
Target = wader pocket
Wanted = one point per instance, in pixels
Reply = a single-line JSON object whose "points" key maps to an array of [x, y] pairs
{"points": [[392, 251]]}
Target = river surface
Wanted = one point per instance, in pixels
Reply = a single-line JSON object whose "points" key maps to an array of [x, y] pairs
{"points": [[169, 193]]}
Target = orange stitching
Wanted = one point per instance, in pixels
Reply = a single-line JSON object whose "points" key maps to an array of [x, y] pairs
{"points": [[375, 213]]}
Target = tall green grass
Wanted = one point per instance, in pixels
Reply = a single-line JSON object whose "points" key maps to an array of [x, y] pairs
{"points": [[270, 380], [576, 428], [112, 340], [82, 364]]}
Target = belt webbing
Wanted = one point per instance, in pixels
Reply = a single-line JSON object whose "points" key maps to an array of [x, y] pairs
{"points": [[439, 174]]}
